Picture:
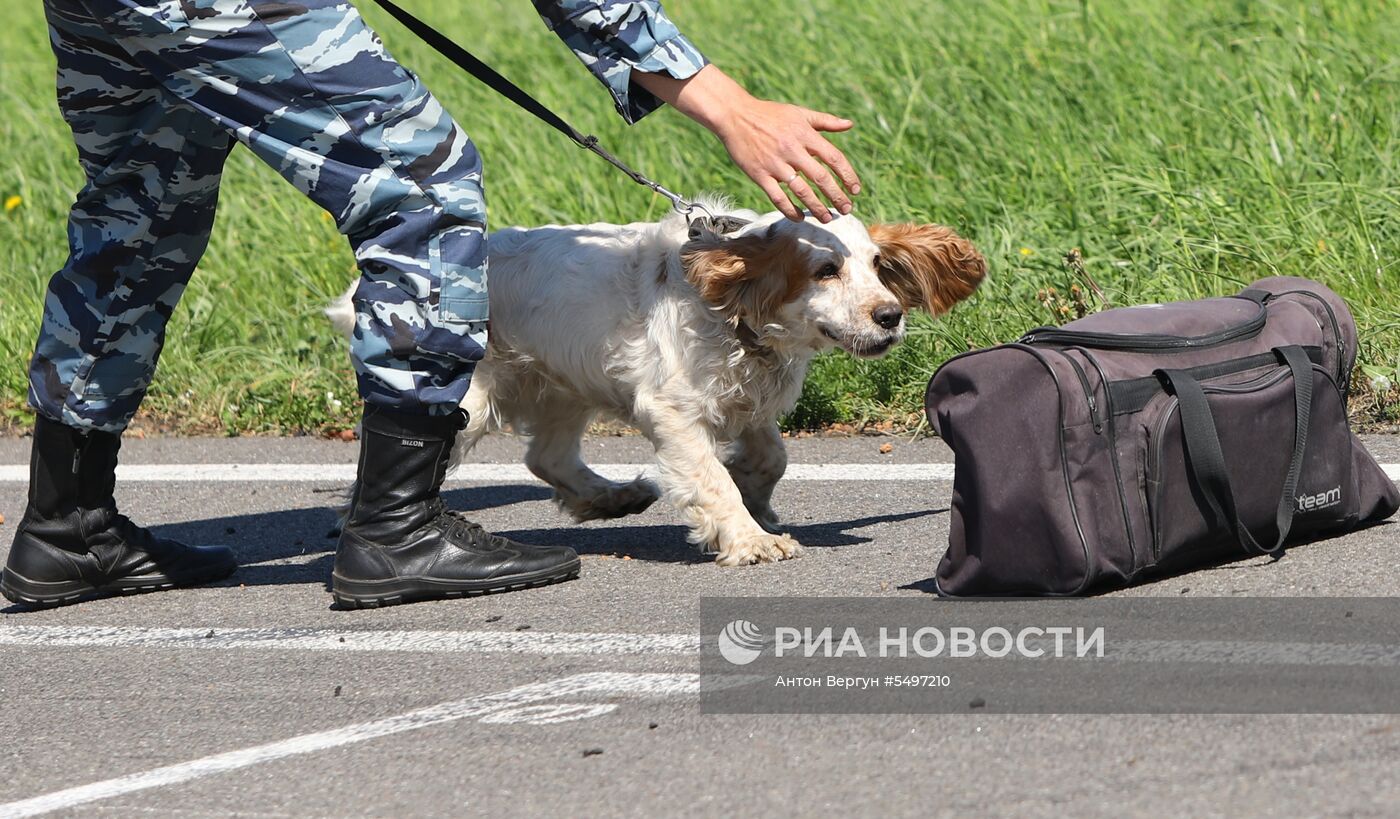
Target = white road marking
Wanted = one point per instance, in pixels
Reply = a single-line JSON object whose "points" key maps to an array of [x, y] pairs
{"points": [[302, 559], [1251, 652], [549, 714], [325, 639], [475, 473], [1254, 652], [498, 473], [606, 684]]}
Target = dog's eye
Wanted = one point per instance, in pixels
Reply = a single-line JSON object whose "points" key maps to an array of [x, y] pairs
{"points": [[828, 271]]}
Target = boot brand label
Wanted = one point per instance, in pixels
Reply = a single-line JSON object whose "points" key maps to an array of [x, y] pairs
{"points": [[410, 442]]}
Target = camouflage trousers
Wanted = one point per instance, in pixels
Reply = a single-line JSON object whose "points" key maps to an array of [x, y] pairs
{"points": [[156, 93]]}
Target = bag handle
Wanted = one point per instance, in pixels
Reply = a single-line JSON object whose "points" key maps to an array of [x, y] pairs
{"points": [[1206, 460]]}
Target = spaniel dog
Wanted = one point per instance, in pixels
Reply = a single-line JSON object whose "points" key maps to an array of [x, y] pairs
{"points": [[698, 338]]}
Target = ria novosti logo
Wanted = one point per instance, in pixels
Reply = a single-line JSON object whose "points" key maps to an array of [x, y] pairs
{"points": [[740, 642]]}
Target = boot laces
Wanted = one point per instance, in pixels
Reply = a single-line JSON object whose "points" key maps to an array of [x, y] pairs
{"points": [[136, 537], [457, 525]]}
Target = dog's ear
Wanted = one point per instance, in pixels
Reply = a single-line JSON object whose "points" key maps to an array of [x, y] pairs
{"points": [[746, 277], [927, 266]]}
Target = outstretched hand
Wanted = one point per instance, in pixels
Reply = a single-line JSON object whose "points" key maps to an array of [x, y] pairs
{"points": [[777, 145]]}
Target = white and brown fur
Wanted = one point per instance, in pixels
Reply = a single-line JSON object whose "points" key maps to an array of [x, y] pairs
{"points": [[699, 341]]}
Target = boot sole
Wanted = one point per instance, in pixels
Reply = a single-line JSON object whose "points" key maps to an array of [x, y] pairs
{"points": [[22, 591], [373, 594]]}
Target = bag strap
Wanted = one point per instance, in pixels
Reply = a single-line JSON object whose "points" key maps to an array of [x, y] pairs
{"points": [[1206, 460]]}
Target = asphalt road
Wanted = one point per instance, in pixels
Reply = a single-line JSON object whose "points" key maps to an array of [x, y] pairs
{"points": [[241, 699]]}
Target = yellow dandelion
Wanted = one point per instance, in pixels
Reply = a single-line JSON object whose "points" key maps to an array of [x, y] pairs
{"points": [[13, 202], [1321, 245], [1025, 251], [326, 215]]}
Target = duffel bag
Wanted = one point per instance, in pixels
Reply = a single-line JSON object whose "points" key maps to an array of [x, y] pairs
{"points": [[1146, 439]]}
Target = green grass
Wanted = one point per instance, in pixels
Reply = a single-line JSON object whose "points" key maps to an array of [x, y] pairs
{"points": [[1185, 148]]}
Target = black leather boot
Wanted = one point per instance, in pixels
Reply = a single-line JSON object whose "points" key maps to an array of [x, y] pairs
{"points": [[400, 543], [73, 544]]}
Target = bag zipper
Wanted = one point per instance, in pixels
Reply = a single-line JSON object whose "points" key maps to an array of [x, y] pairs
{"points": [[1113, 457], [1136, 392], [1342, 377], [1154, 467], [1088, 393], [1259, 383], [1145, 342]]}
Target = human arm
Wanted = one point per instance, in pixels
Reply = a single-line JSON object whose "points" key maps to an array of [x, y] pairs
{"points": [[644, 61]]}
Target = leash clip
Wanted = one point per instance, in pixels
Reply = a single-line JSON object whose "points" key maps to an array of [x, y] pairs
{"points": [[707, 221], [698, 217]]}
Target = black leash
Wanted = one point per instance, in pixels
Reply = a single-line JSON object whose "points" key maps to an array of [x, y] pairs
{"points": [[470, 64]]}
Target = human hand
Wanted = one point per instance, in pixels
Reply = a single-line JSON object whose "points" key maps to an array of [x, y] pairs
{"points": [[777, 145]]}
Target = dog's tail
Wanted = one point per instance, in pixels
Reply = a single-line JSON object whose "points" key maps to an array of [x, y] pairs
{"points": [[341, 312], [482, 414], [483, 417]]}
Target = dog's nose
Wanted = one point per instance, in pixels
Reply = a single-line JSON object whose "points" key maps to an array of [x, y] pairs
{"points": [[888, 316]]}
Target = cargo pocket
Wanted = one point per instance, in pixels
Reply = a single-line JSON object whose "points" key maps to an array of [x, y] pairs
{"points": [[1255, 422], [462, 294], [117, 376]]}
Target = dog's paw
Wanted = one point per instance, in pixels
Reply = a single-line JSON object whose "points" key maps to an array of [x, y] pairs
{"points": [[762, 548], [617, 501]]}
